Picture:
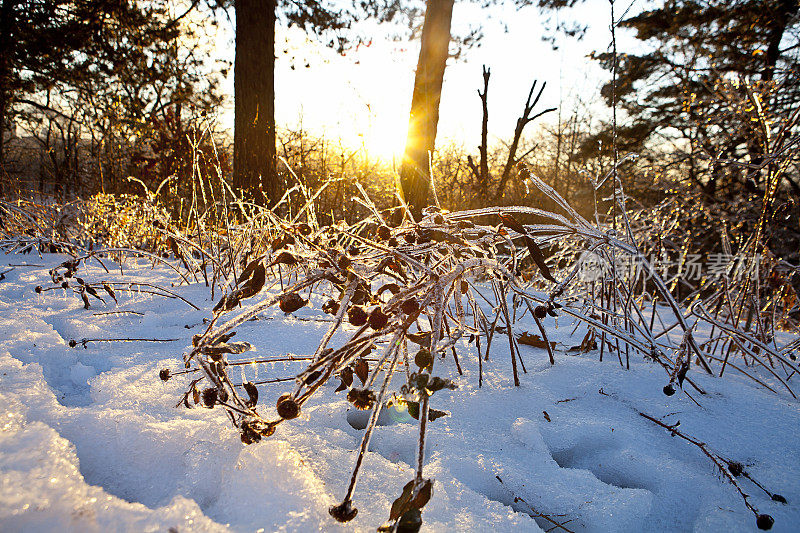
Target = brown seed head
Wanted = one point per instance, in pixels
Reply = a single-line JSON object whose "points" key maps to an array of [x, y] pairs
{"points": [[209, 397], [344, 512], [330, 307], [357, 316], [410, 306], [362, 399], [423, 359], [378, 319], [735, 468], [343, 262], [384, 232], [764, 521], [288, 408]]}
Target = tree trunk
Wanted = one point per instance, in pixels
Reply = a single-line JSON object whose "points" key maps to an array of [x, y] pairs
{"points": [[415, 169], [6, 28], [255, 172], [781, 16]]}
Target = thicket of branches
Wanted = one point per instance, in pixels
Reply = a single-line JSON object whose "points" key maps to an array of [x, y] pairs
{"points": [[506, 235]]}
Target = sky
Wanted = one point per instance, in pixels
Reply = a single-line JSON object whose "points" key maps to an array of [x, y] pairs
{"points": [[364, 96]]}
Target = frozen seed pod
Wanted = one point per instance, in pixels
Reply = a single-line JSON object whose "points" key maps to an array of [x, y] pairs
{"points": [[764, 521], [735, 468], [410, 306], [330, 307], [669, 389], [378, 319], [384, 233], [288, 408], [344, 512], [357, 316], [164, 374], [362, 399], [210, 397], [423, 359], [343, 262]]}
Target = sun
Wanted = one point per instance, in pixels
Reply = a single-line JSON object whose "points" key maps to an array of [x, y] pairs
{"points": [[384, 143]]}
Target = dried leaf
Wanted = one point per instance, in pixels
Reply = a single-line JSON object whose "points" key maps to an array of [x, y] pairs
{"points": [[248, 270], [291, 302], [93, 292], [252, 393], [511, 222], [436, 384], [256, 283], [347, 376], [285, 258], [110, 291], [533, 248], [394, 288], [423, 339], [223, 338], [400, 505], [538, 258], [174, 247], [433, 414], [361, 369], [531, 339], [423, 495], [221, 348], [222, 303], [682, 372]]}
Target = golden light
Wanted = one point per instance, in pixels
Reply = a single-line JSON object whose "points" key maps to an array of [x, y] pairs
{"points": [[386, 143]]}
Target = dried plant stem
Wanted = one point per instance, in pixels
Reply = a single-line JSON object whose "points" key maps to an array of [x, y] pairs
{"points": [[391, 352]]}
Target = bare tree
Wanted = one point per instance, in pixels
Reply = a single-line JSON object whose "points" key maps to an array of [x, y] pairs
{"points": [[254, 160], [422, 124]]}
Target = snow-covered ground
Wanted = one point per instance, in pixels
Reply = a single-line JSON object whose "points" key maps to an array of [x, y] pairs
{"points": [[90, 438]]}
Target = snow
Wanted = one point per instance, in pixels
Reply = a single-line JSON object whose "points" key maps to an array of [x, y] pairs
{"points": [[91, 440]]}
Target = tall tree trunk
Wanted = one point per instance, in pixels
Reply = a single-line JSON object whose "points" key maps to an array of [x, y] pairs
{"points": [[780, 16], [255, 172], [415, 170], [6, 42]]}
